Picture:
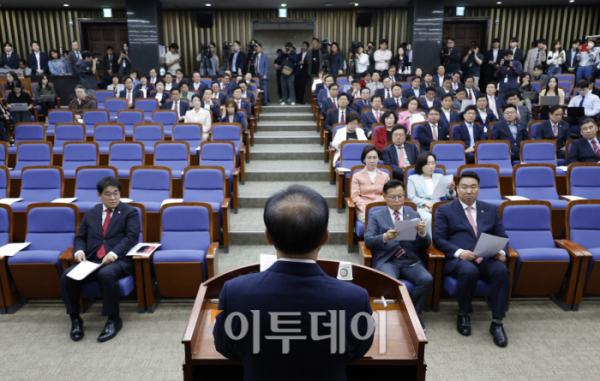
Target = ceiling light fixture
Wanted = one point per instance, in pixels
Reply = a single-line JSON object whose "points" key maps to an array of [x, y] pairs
{"points": [[284, 5], [66, 5], [356, 4], [328, 5], [208, 5], [499, 3]]}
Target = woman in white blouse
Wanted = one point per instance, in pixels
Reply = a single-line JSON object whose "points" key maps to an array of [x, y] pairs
{"points": [[115, 87], [351, 132], [362, 63], [421, 185], [160, 94], [199, 115], [556, 58]]}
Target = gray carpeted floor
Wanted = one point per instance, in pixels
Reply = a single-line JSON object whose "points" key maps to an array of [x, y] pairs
{"points": [[545, 344]]}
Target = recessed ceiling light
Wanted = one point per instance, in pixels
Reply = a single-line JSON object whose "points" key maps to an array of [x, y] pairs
{"points": [[208, 5], [328, 5], [284, 5], [571, 1], [356, 4], [499, 3], [66, 5]]}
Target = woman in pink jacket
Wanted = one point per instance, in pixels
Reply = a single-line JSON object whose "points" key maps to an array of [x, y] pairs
{"points": [[367, 184], [412, 115]]}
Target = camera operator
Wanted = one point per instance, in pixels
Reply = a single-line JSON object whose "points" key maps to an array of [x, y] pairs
{"points": [[86, 68], [237, 59], [382, 58], [451, 57], [371, 53], [361, 60], [301, 74], [336, 61], [508, 74], [472, 61], [210, 66], [287, 60]]}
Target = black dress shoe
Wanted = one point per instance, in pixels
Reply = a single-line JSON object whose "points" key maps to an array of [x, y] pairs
{"points": [[110, 330], [463, 325], [497, 330], [77, 329]]}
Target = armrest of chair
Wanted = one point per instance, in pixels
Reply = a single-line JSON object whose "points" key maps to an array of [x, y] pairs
{"points": [[339, 188], [433, 257], [58, 102], [212, 258], [236, 174], [572, 248], [364, 254], [350, 204], [66, 258]]}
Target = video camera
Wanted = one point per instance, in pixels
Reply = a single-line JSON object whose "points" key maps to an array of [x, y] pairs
{"points": [[354, 46], [251, 45], [226, 47], [325, 45]]}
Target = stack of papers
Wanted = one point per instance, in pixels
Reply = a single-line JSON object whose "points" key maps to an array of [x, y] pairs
{"points": [[489, 245], [126, 200], [441, 188], [83, 269], [407, 229], [67, 200], [171, 201], [573, 198], [341, 169], [12, 248], [9, 201], [517, 198]]}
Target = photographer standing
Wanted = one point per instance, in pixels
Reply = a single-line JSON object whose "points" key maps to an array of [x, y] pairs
{"points": [[210, 66], [314, 58], [472, 61], [86, 68], [302, 73], [508, 74], [362, 62], [287, 60], [451, 57]]}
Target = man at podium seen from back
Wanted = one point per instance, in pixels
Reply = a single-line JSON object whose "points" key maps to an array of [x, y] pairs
{"points": [[286, 323]]}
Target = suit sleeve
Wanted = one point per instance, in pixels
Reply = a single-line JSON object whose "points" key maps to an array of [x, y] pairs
{"points": [[539, 133], [223, 343], [441, 234], [132, 233], [80, 241], [573, 154], [373, 237], [424, 138], [387, 160], [412, 193]]}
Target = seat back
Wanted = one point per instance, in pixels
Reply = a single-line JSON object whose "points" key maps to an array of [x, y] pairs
{"points": [[141, 209], [86, 179], [449, 154], [80, 154], [231, 132], [93, 117], [29, 132], [174, 155], [493, 152], [31, 154], [351, 151], [341, 81], [41, 184], [4, 182], [583, 180], [185, 226], [113, 105], [188, 132], [101, 96], [218, 153], [535, 181], [6, 224], [167, 117], [124, 155], [148, 134], [528, 224], [129, 118], [147, 106], [204, 184], [533, 125], [68, 132], [566, 77], [583, 223], [566, 84], [150, 183], [489, 180], [59, 116], [3, 153], [415, 130], [51, 227], [539, 151], [104, 134]]}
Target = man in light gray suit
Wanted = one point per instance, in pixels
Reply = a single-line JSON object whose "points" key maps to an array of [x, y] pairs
{"points": [[400, 260], [74, 57], [523, 114]]}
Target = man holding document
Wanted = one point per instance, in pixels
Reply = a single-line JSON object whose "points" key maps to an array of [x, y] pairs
{"points": [[398, 252], [461, 228], [106, 234]]}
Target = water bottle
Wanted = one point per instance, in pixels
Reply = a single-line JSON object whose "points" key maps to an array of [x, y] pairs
{"points": [[162, 72]]}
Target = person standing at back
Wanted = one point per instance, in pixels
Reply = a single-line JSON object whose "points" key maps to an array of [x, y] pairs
{"points": [[74, 57], [290, 294]]}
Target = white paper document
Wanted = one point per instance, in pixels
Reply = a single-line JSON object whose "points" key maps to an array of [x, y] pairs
{"points": [[11, 249], [341, 169], [126, 200], [573, 198], [9, 201], [66, 200], [83, 269], [441, 188], [266, 260], [407, 229], [134, 250], [171, 201], [489, 245], [563, 167], [517, 198]]}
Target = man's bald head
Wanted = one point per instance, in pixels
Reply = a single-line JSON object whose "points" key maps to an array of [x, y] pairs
{"points": [[296, 219]]}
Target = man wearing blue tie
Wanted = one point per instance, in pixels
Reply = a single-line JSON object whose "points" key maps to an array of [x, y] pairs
{"points": [[458, 226], [469, 132], [262, 70], [585, 99]]}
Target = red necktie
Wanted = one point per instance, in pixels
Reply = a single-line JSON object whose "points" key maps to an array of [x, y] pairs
{"points": [[176, 106], [388, 94], [400, 157], [435, 133], [334, 104], [343, 120], [377, 116], [518, 116], [472, 222], [469, 92], [400, 251], [596, 148], [239, 106], [102, 251], [555, 130], [398, 102]]}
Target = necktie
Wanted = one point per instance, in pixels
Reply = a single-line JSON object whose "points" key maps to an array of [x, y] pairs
{"points": [[102, 251], [334, 104], [387, 94], [376, 86], [582, 100], [400, 157], [398, 102], [400, 251], [256, 64], [239, 105], [596, 148], [537, 57], [342, 120], [469, 92], [434, 130], [555, 130], [128, 96], [377, 116], [472, 222], [78, 56], [176, 108], [518, 115]]}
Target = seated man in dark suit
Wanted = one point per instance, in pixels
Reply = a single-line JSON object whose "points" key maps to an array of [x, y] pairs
{"points": [[373, 116], [472, 92], [415, 89], [339, 115], [218, 95], [175, 104], [331, 101], [106, 234], [324, 92], [433, 131], [296, 221], [586, 149], [523, 114], [469, 132], [458, 226], [169, 84], [396, 101], [485, 116], [247, 94], [129, 93], [364, 101], [225, 84], [399, 155], [197, 83], [429, 101], [399, 259], [511, 130], [209, 104], [242, 104], [555, 129], [445, 88], [449, 115], [386, 92]]}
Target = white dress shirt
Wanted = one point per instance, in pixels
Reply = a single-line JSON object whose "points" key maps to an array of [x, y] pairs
{"points": [[201, 116], [417, 92], [37, 58], [297, 260], [447, 113], [591, 104], [178, 103], [406, 161], [470, 129], [344, 113], [400, 214], [104, 208]]}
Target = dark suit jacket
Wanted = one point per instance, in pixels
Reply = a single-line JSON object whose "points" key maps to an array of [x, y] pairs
{"points": [[452, 62], [216, 112], [237, 118], [73, 61], [512, 73], [425, 107], [327, 104], [359, 105], [163, 100], [440, 92], [183, 107], [454, 117], [245, 106], [580, 151], [322, 95], [518, 55], [379, 223], [390, 155], [135, 93], [279, 289], [474, 93], [250, 96], [499, 104], [452, 230], [544, 131], [426, 136], [381, 92], [106, 65], [490, 118], [240, 62], [32, 63], [121, 235], [13, 62], [501, 131], [201, 87], [222, 98], [525, 114], [461, 132], [390, 104], [567, 63], [228, 87], [332, 118], [368, 120], [410, 92], [489, 56], [336, 62]]}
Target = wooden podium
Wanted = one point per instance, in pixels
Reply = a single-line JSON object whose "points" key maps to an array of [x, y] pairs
{"points": [[403, 359]]}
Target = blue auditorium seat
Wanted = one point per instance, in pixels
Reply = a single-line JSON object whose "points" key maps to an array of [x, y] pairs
{"points": [[449, 154], [148, 134], [101, 96], [39, 185], [104, 134], [124, 155], [489, 182], [174, 155], [168, 118], [93, 117], [583, 180], [79, 154], [188, 132], [28, 132], [494, 152], [536, 182], [67, 132], [114, 105], [538, 151], [150, 186], [147, 106], [583, 221], [86, 180], [129, 118], [220, 155], [31, 154], [58, 116]]}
